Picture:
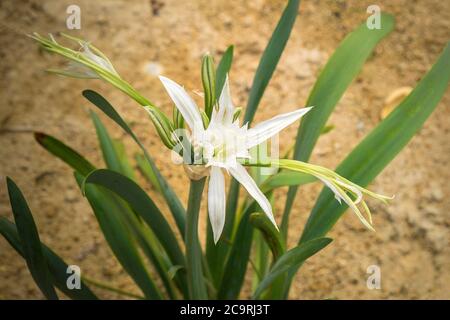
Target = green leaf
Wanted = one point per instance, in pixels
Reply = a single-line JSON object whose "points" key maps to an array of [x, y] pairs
{"points": [[56, 266], [270, 58], [175, 206], [291, 258], [286, 178], [141, 204], [112, 151], [223, 69], [372, 155], [82, 167], [147, 171], [194, 257], [209, 83], [127, 168], [270, 233], [31, 244], [236, 264], [65, 153], [340, 70], [266, 67], [118, 235]]}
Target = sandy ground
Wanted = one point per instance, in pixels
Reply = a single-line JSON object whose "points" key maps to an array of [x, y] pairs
{"points": [[411, 244]]}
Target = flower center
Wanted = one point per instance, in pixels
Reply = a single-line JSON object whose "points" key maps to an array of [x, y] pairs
{"points": [[221, 145]]}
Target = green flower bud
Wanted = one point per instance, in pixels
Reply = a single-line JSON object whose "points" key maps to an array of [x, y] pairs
{"points": [[163, 126], [209, 83]]}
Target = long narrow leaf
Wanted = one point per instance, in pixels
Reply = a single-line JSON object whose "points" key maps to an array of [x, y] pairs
{"points": [[223, 69], [266, 67], [236, 264], [270, 58], [31, 244], [270, 234], [340, 70], [372, 155], [65, 153], [141, 204], [291, 258], [118, 236], [175, 206], [57, 266]]}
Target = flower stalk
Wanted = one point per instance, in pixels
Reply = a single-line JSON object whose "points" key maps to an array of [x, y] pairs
{"points": [[91, 63], [196, 281]]}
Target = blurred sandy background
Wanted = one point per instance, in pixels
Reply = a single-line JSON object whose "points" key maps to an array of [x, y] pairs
{"points": [[166, 36]]}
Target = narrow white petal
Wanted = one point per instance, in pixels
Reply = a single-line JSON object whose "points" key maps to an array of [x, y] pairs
{"points": [[225, 102], [242, 176], [216, 201], [224, 114], [266, 129], [184, 103], [97, 59]]}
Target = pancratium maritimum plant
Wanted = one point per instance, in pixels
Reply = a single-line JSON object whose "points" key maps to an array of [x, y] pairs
{"points": [[216, 141]]}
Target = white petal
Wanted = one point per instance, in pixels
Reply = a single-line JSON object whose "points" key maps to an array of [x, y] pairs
{"points": [[242, 176], [184, 103], [226, 108], [266, 129], [97, 59], [216, 201]]}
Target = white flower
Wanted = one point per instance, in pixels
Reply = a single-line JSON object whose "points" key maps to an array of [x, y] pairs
{"points": [[223, 143], [82, 70]]}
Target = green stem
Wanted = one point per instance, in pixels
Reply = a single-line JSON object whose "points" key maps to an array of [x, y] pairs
{"points": [[196, 282]]}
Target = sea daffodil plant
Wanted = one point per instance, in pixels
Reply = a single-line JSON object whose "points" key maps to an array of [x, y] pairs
{"points": [[216, 141]]}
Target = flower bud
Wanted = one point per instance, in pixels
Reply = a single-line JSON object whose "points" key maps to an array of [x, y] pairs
{"points": [[209, 83]]}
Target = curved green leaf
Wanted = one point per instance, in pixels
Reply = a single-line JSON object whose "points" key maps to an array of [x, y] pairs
{"points": [[117, 233], [340, 70], [57, 266], [291, 258], [270, 233], [223, 69], [286, 178], [65, 153], [31, 244], [141, 204], [113, 150], [236, 264], [270, 58], [175, 206], [370, 157]]}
